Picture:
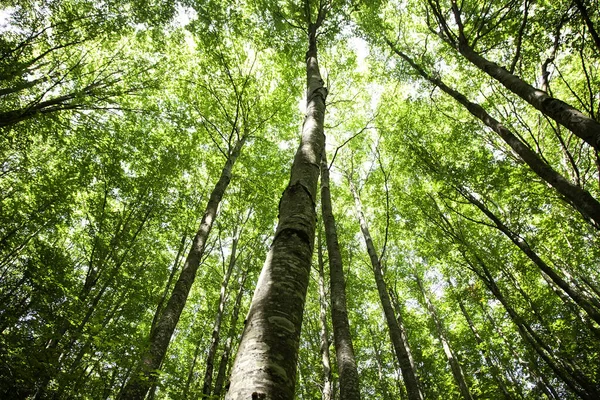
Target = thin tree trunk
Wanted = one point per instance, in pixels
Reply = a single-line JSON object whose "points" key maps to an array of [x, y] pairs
{"points": [[402, 352], [230, 335], [344, 350], [214, 344], [265, 366], [580, 198], [325, 358], [190, 376], [400, 320], [457, 371], [145, 375], [382, 382]]}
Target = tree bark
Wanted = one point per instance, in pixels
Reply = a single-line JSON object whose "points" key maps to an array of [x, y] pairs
{"points": [[402, 352], [457, 371], [325, 357], [146, 373], [265, 366], [344, 349], [580, 198]]}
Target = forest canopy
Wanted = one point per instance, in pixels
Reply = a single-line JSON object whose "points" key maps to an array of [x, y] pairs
{"points": [[313, 199]]}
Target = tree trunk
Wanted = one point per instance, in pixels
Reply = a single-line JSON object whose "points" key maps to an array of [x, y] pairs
{"points": [[400, 320], [457, 371], [214, 344], [190, 376], [327, 376], [580, 198], [265, 366], [230, 335], [382, 382], [402, 352], [344, 350], [146, 373]]}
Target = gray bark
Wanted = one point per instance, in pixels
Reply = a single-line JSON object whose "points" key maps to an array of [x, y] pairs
{"points": [[265, 366], [580, 124], [588, 22], [146, 373], [580, 198], [496, 373], [402, 352], [344, 350]]}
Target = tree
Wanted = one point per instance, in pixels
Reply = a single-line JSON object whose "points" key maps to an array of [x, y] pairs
{"points": [[120, 116]]}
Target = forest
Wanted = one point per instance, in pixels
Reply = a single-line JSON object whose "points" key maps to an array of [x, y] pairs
{"points": [[300, 199]]}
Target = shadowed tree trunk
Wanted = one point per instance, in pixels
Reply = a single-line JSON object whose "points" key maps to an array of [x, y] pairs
{"points": [[265, 366], [496, 373], [408, 373], [344, 350], [578, 297], [562, 367], [588, 22], [146, 373]]}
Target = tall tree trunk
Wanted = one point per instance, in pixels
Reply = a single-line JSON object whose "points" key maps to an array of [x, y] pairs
{"points": [[578, 297], [265, 366], [190, 375], [146, 373], [344, 350], [457, 371], [223, 363], [580, 198], [400, 320], [214, 344], [327, 376], [402, 352]]}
